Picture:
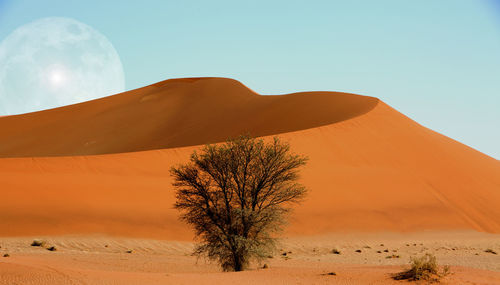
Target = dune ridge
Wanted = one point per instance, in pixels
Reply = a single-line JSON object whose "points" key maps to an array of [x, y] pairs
{"points": [[370, 169], [172, 113]]}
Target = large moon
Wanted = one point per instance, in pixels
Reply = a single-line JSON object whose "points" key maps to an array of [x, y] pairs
{"points": [[53, 62]]}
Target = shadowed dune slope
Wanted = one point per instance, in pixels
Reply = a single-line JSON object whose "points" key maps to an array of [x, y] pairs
{"points": [[172, 113], [370, 169]]}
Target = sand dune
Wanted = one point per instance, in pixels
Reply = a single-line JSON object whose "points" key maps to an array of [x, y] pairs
{"points": [[172, 113], [371, 168]]}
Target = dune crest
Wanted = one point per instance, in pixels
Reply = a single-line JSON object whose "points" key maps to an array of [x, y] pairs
{"points": [[172, 113]]}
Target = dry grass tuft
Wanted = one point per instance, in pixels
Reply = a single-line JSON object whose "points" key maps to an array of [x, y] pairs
{"points": [[52, 248], [38, 242], [330, 274], [489, 250], [423, 268]]}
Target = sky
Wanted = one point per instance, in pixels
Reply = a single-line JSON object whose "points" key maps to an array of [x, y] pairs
{"points": [[437, 62]]}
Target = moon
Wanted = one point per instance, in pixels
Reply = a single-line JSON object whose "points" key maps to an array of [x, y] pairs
{"points": [[54, 62]]}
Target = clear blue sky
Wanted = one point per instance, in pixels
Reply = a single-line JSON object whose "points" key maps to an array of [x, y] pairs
{"points": [[436, 61]]}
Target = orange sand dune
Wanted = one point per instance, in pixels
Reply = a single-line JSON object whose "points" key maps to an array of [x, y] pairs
{"points": [[370, 169], [172, 113]]}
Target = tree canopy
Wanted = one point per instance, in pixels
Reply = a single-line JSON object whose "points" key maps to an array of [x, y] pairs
{"points": [[236, 196]]}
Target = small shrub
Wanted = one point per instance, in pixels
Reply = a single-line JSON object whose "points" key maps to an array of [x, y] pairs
{"points": [[335, 251], [38, 242], [265, 266], [392, 256], [330, 274], [358, 250], [129, 251], [489, 250], [52, 248], [423, 268], [6, 255]]}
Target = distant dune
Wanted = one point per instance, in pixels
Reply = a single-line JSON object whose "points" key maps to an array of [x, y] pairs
{"points": [[102, 166]]}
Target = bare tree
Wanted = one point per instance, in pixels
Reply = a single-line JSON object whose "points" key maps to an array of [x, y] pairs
{"points": [[236, 196]]}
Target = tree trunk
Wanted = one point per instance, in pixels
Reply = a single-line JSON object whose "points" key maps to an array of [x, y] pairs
{"points": [[238, 262]]}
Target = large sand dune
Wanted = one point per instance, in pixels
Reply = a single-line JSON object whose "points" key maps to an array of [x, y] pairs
{"points": [[102, 166], [172, 113]]}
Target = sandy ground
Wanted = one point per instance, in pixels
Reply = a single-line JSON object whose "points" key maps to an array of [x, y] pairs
{"points": [[105, 260]]}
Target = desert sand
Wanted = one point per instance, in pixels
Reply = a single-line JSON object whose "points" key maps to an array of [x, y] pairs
{"points": [[103, 167], [108, 260]]}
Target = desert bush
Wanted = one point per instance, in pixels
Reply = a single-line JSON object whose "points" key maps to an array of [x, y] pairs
{"points": [[330, 274], [489, 250], [236, 196], [423, 268], [38, 242]]}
